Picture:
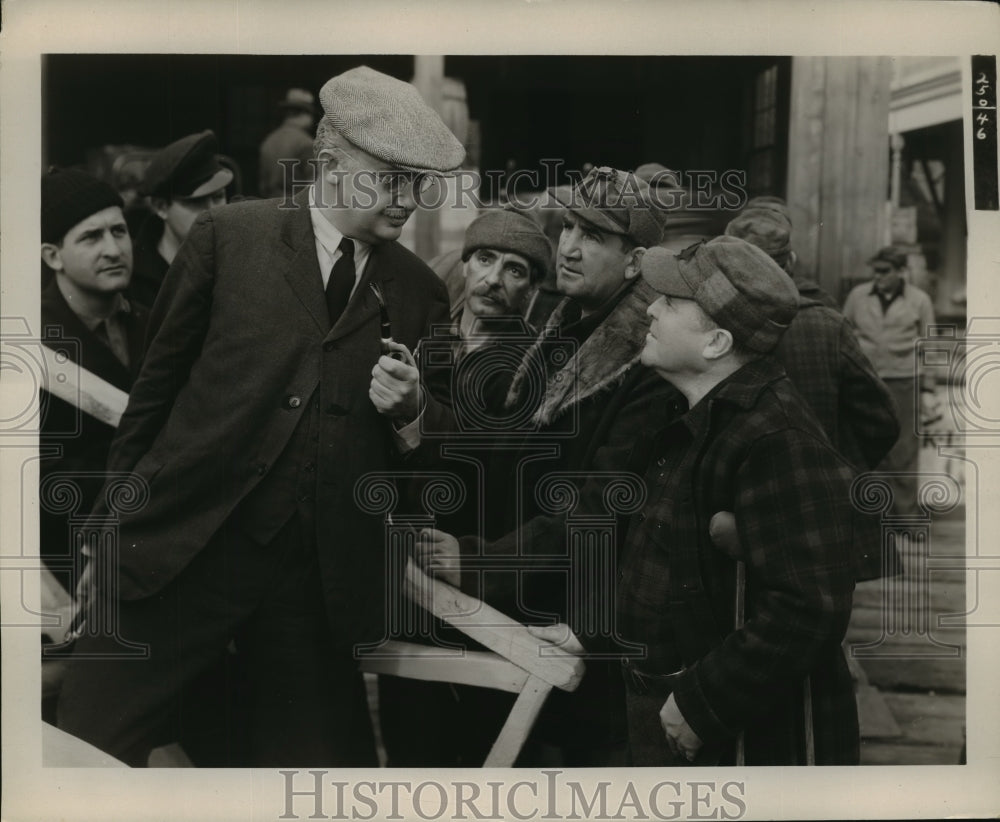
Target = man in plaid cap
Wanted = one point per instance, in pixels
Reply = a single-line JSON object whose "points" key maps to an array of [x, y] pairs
{"points": [[581, 396], [890, 315], [766, 675], [250, 424]]}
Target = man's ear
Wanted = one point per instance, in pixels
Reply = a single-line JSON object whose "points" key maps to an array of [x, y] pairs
{"points": [[52, 256], [160, 206], [720, 343], [790, 264], [633, 263], [333, 163]]}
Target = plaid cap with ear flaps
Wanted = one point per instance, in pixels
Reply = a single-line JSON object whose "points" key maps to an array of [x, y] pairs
{"points": [[741, 288]]}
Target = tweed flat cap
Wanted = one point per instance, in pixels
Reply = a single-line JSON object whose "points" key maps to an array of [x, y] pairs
{"points": [[769, 201], [388, 119], [767, 229], [509, 231], [70, 196], [187, 168], [742, 289], [617, 202], [890, 254]]}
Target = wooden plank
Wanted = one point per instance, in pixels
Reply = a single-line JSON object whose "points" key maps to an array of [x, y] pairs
{"points": [[874, 715], [494, 630], [946, 676], [61, 750], [883, 753], [426, 662], [805, 159], [518, 725], [83, 389], [934, 720]]}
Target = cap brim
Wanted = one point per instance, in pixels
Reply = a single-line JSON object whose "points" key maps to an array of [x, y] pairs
{"points": [[564, 196], [219, 180], [665, 276]]}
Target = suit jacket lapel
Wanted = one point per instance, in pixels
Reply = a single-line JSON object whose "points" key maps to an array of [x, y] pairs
{"points": [[301, 268]]}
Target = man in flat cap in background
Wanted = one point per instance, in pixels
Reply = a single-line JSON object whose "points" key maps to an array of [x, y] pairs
{"points": [[286, 151], [579, 390], [183, 179], [890, 315], [718, 674], [251, 423]]}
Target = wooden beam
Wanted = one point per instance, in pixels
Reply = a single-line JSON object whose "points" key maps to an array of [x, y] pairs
{"points": [[518, 725], [79, 387], [407, 659], [495, 630]]}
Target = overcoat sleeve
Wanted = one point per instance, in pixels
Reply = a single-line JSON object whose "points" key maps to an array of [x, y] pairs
{"points": [[178, 324], [867, 407]]}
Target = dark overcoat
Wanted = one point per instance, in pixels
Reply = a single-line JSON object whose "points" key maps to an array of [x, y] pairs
{"points": [[241, 346]]}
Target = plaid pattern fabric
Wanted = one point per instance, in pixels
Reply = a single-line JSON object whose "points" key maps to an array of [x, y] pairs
{"points": [[752, 447], [821, 356]]}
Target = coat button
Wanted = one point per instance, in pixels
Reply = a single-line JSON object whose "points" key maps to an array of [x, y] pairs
{"points": [[661, 461], [310, 466], [334, 410], [642, 516], [261, 468], [329, 346], [292, 401]]}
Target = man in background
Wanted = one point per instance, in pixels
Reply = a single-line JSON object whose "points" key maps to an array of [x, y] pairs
{"points": [[286, 151], [183, 180], [890, 315]]}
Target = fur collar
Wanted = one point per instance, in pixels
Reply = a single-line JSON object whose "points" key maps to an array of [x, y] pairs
{"points": [[599, 363]]}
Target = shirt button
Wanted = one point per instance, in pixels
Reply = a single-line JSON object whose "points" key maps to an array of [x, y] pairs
{"points": [[292, 401]]}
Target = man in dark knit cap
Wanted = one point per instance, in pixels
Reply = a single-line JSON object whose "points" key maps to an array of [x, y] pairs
{"points": [[184, 179], [86, 246], [504, 256], [251, 424]]}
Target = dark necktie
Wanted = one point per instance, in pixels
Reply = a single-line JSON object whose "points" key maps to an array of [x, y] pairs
{"points": [[341, 282]]}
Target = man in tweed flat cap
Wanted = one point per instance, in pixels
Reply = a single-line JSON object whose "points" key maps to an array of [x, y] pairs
{"points": [[721, 682], [250, 424]]}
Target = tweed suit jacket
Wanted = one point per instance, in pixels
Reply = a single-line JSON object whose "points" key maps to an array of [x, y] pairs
{"points": [[751, 447], [240, 347]]}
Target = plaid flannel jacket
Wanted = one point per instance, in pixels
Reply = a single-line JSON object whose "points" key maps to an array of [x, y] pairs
{"points": [[752, 447], [824, 361]]}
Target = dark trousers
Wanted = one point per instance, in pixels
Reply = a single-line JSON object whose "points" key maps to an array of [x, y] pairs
{"points": [[903, 459], [305, 701]]}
